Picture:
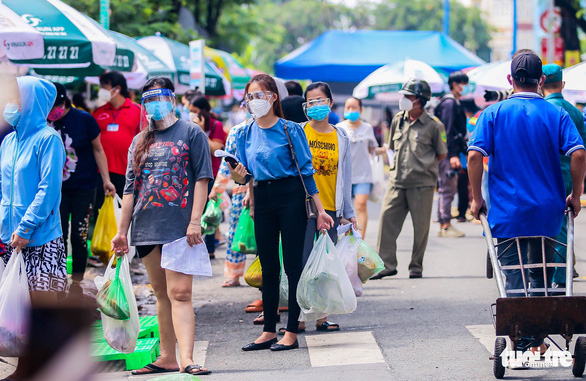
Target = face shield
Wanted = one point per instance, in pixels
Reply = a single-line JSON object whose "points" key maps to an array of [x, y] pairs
{"points": [[159, 107], [317, 109], [259, 103]]}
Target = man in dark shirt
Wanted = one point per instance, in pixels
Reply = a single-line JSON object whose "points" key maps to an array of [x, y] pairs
{"points": [[451, 113]]}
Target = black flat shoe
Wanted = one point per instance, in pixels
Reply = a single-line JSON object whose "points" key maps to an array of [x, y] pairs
{"points": [[384, 273], [282, 347], [257, 347]]}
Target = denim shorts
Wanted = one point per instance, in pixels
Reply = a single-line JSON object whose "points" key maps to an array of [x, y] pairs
{"points": [[361, 188]]}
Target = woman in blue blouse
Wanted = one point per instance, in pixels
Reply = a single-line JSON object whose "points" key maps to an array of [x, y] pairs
{"points": [[277, 202]]}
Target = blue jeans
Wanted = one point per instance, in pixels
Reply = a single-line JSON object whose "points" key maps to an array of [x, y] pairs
{"points": [[531, 253]]}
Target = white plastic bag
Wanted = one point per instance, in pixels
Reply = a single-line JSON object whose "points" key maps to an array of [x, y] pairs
{"points": [[324, 287], [347, 249], [378, 179], [284, 290], [15, 304], [118, 215], [191, 260], [121, 335]]}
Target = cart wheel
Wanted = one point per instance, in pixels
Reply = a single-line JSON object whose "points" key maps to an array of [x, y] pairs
{"points": [[500, 345], [579, 357], [489, 272]]}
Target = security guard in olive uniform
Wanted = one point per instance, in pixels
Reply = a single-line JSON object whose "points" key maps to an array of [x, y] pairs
{"points": [[419, 142]]}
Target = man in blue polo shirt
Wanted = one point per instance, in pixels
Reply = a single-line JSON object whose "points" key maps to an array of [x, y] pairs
{"points": [[524, 137]]}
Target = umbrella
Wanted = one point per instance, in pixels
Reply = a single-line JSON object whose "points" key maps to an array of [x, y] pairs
{"points": [[176, 56], [390, 79], [492, 76], [20, 41], [575, 78], [146, 64], [230, 67], [70, 41]]}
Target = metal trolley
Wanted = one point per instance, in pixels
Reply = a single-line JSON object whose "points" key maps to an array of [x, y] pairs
{"points": [[536, 316]]}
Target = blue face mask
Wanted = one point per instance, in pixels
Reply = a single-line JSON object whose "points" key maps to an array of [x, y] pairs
{"points": [[352, 115], [158, 109], [11, 114], [318, 112], [466, 90]]}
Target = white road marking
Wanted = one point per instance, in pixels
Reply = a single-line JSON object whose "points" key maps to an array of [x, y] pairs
{"points": [[485, 334], [345, 348]]}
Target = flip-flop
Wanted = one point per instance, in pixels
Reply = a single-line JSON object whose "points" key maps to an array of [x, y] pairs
{"points": [[325, 327], [255, 306], [198, 372], [257, 320], [153, 369]]}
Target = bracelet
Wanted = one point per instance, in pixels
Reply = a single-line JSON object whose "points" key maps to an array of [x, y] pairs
{"points": [[195, 223]]}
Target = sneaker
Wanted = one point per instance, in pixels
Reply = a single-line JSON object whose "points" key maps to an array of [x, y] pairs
{"points": [[450, 232]]}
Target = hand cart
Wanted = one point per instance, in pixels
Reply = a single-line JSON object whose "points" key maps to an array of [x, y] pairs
{"points": [[537, 316]]}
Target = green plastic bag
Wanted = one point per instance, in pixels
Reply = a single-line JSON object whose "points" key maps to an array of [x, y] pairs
{"points": [[111, 298], [244, 240], [369, 262], [212, 217]]}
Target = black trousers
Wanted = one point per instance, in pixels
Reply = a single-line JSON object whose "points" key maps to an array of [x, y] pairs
{"points": [[78, 205], [463, 193], [279, 208]]}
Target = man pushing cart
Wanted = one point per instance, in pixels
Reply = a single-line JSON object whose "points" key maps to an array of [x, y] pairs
{"points": [[524, 137]]}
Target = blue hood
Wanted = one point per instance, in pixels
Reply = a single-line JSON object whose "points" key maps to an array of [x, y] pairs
{"points": [[31, 165], [37, 97]]}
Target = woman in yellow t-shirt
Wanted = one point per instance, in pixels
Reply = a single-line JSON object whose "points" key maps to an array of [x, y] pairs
{"points": [[332, 162]]}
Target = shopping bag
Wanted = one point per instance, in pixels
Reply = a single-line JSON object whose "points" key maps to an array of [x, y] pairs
{"points": [[212, 217], [324, 287], [369, 262], [284, 283], [253, 275], [111, 298], [15, 304], [104, 231], [178, 256], [244, 240], [347, 248], [121, 335], [378, 179], [118, 215]]}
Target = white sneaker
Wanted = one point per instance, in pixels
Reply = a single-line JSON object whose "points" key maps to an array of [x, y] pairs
{"points": [[450, 232]]}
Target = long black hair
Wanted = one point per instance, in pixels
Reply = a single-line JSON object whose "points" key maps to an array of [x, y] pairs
{"points": [[199, 100], [148, 138]]}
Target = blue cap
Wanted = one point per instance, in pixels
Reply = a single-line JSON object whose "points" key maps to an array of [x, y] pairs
{"points": [[552, 72]]}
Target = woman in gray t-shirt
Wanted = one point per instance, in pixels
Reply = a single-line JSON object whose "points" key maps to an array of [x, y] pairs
{"points": [[169, 167]]}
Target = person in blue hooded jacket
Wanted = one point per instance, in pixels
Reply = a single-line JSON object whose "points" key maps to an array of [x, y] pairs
{"points": [[31, 170]]}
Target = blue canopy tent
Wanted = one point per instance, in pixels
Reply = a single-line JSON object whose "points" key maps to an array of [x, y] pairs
{"points": [[338, 56]]}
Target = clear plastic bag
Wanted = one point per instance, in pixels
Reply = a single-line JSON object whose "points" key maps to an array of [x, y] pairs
{"points": [[369, 262], [15, 304], [324, 287], [378, 178], [121, 335], [111, 298], [284, 283], [347, 248]]}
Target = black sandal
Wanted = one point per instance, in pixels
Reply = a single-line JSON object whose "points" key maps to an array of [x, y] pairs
{"points": [[325, 327], [153, 369], [198, 370]]}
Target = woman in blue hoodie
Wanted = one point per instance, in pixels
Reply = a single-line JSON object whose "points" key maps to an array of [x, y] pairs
{"points": [[31, 169]]}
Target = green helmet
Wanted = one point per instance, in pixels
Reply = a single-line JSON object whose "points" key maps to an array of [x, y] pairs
{"points": [[417, 87]]}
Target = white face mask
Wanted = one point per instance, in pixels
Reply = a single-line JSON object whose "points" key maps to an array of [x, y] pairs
{"points": [[405, 104], [259, 107], [104, 95], [192, 116]]}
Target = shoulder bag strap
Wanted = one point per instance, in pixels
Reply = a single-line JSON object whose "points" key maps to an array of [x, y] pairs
{"points": [[295, 158]]}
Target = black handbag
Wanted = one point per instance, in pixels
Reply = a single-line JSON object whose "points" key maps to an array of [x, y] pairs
{"points": [[310, 207]]}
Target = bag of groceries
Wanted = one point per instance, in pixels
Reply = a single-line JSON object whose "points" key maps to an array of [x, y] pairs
{"points": [[244, 240], [324, 287], [253, 275], [347, 248], [212, 217], [121, 335], [111, 298]]}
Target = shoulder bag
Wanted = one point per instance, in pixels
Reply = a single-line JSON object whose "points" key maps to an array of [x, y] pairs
{"points": [[310, 207]]}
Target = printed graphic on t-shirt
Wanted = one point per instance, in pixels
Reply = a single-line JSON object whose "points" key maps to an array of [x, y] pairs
{"points": [[162, 180], [70, 157], [324, 161]]}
